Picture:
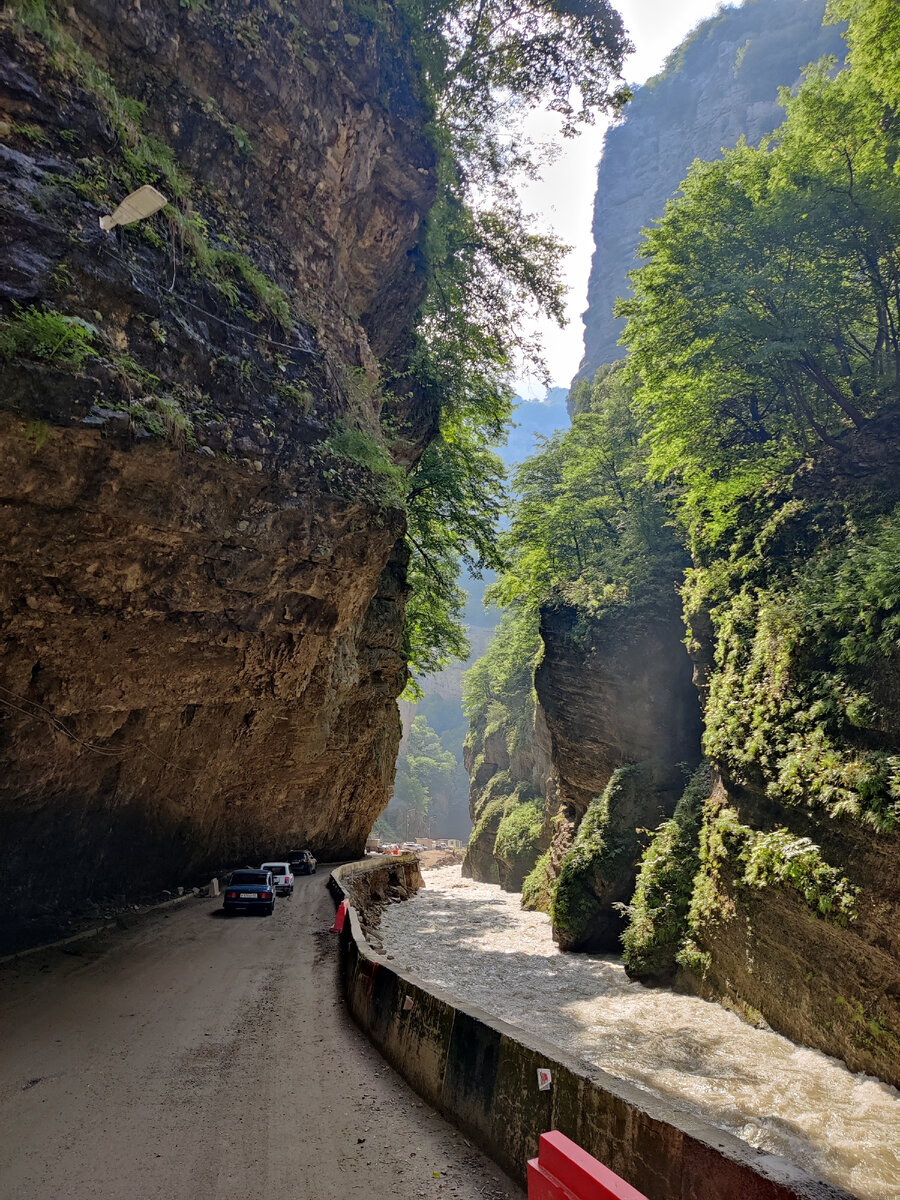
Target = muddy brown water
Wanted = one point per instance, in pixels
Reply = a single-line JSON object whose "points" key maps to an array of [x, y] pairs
{"points": [[475, 942]]}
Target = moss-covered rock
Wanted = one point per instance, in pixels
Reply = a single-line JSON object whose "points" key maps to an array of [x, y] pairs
{"points": [[479, 862], [658, 913], [518, 841], [598, 873], [537, 887]]}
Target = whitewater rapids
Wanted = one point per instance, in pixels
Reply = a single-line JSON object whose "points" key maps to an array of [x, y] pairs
{"points": [[475, 942]]}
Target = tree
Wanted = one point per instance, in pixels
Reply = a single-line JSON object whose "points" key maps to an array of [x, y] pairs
{"points": [[487, 59], [425, 772], [485, 63], [874, 39], [456, 494], [766, 321], [589, 527]]}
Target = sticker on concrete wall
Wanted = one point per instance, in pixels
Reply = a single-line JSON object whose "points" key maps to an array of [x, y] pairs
{"points": [[407, 1003], [544, 1079]]}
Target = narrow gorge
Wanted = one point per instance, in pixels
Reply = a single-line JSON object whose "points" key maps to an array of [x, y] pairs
{"points": [[684, 742], [251, 443]]}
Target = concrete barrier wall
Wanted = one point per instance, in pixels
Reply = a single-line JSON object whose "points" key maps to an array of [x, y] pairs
{"points": [[482, 1074]]}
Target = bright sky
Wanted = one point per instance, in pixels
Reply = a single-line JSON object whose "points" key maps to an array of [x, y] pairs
{"points": [[565, 198]]}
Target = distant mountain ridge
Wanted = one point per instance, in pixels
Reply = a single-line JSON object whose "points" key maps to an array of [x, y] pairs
{"points": [[720, 84]]}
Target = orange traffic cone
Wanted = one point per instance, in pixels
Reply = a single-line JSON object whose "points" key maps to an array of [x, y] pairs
{"points": [[340, 917]]}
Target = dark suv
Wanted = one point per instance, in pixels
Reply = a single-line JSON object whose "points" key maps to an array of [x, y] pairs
{"points": [[302, 862]]}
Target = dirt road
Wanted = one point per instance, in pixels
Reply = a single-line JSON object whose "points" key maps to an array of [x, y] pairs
{"points": [[202, 1057]]}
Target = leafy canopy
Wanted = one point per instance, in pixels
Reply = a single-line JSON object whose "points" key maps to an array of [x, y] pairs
{"points": [[485, 64], [766, 320], [589, 527]]}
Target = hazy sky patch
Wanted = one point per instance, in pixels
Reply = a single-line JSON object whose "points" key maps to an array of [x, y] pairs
{"points": [[564, 199]]}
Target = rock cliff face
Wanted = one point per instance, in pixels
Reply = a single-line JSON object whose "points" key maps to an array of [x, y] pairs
{"points": [[615, 692], [767, 953], [611, 694], [623, 724], [777, 940], [502, 783], [718, 86], [202, 591]]}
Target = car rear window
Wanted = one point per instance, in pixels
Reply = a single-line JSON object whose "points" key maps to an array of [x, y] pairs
{"points": [[277, 868], [249, 877]]}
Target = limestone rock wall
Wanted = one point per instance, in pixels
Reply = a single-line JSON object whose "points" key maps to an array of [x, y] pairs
{"points": [[201, 602], [771, 950], [772, 957], [719, 85], [501, 780], [613, 693]]}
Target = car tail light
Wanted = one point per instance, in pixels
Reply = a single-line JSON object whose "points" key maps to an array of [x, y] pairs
{"points": [[231, 895], [267, 895]]}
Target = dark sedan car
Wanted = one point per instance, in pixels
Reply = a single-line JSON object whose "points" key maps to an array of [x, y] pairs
{"points": [[249, 891], [302, 862]]}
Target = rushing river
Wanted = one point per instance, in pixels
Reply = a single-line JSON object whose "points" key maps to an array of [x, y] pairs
{"points": [[476, 942]]}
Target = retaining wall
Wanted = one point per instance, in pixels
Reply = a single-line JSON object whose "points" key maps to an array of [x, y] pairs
{"points": [[482, 1074]]}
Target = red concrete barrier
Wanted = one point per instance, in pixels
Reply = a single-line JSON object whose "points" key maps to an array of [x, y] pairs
{"points": [[563, 1171], [339, 918]]}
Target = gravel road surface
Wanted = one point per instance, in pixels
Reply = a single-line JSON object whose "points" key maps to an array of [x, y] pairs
{"points": [[204, 1057]]}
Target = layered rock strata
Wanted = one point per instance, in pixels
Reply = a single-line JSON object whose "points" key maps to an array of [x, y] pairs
{"points": [[202, 596], [615, 692], [812, 945], [772, 957]]}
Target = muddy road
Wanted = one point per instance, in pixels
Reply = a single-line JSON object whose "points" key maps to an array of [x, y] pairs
{"points": [[194, 1055]]}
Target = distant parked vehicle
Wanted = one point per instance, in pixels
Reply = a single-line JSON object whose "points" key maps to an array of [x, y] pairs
{"points": [[302, 862], [282, 877], [249, 891]]}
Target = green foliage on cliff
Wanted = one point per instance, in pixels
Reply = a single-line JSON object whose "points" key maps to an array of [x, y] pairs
{"points": [[479, 861], [735, 859], [359, 447], [46, 335], [537, 887], [802, 661], [781, 857], [596, 854], [499, 687], [658, 912], [517, 844], [765, 338]]}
